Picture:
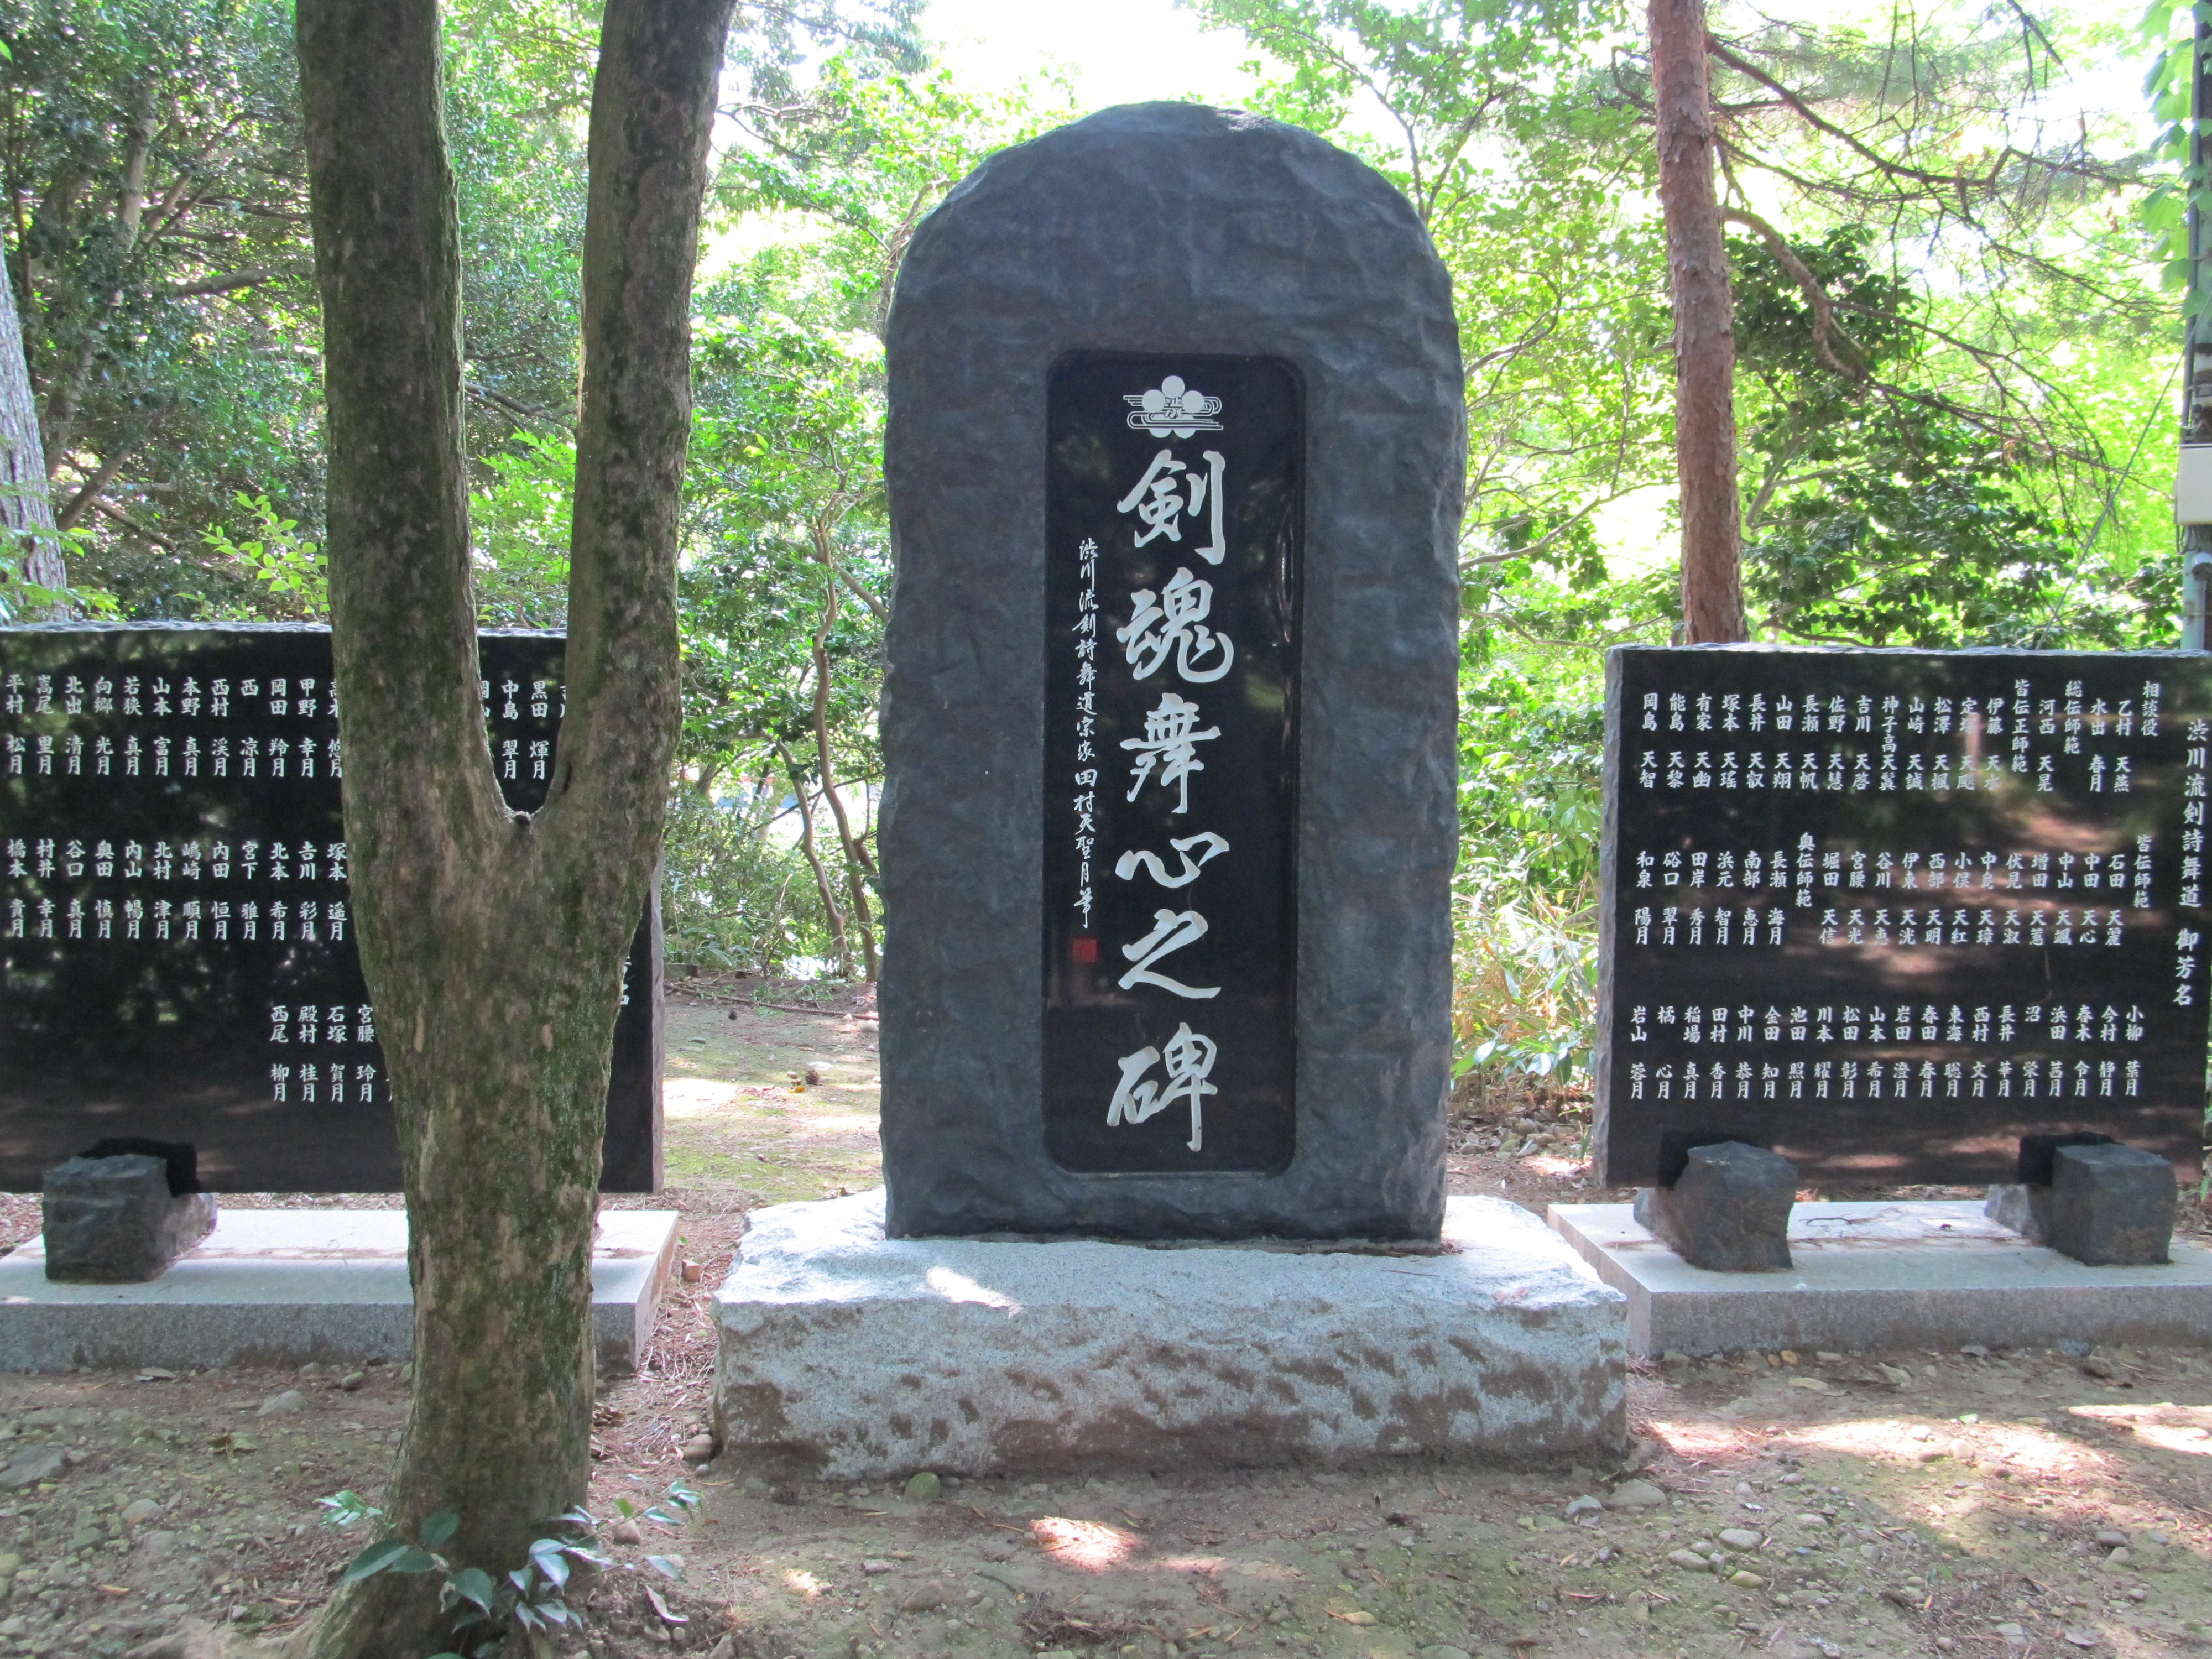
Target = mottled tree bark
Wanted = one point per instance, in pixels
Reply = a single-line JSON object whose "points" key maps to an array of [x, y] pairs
{"points": [[27, 509], [494, 942], [1705, 326]]}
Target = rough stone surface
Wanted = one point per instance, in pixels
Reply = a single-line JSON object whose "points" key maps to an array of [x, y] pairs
{"points": [[2111, 1205], [848, 1356], [291, 1287], [2022, 1205], [1162, 227], [1937, 1274], [1728, 1211], [114, 1220]]}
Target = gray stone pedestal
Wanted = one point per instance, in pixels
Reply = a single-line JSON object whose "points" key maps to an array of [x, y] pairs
{"points": [[282, 1287], [1936, 1273], [847, 1355]]}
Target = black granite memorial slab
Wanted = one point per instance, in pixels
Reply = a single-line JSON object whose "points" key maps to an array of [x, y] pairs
{"points": [[1169, 933], [1887, 913], [1042, 316], [177, 958]]}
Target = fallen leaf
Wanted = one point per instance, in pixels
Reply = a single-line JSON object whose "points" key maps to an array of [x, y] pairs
{"points": [[661, 1608]]}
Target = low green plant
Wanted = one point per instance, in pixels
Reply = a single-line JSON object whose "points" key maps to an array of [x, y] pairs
{"points": [[1525, 992], [533, 1598]]}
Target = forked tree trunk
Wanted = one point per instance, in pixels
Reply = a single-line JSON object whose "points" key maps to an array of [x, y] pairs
{"points": [[494, 943], [1705, 326]]}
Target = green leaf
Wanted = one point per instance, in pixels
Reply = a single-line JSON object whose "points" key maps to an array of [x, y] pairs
{"points": [[664, 1566], [550, 1557], [345, 1509], [438, 1528], [376, 1558], [474, 1584]]}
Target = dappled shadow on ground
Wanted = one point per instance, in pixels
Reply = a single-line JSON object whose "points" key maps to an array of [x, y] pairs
{"points": [[1890, 1504]]}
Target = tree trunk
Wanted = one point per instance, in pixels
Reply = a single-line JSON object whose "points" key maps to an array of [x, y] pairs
{"points": [[494, 942], [822, 883], [1705, 326], [27, 509], [856, 870]]}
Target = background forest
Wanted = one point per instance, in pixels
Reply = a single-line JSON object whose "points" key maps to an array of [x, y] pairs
{"points": [[1953, 231]]}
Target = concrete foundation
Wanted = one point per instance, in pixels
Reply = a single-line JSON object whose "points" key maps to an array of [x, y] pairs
{"points": [[283, 1287], [847, 1356], [1936, 1274]]}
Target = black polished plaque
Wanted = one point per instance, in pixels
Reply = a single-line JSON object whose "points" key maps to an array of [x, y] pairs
{"points": [[1172, 505], [1886, 912], [177, 952]]}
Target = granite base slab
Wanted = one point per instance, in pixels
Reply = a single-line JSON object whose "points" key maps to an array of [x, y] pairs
{"points": [[283, 1287], [844, 1355], [1931, 1274]]}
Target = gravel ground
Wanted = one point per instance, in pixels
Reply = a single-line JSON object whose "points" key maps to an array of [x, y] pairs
{"points": [[2030, 1503]]}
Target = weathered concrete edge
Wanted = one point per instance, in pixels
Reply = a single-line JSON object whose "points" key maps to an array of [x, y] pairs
{"points": [[1874, 1317], [117, 1332]]}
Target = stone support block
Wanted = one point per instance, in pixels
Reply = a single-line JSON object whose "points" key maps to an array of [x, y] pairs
{"points": [[1727, 1212], [847, 1356], [114, 1221], [2111, 1205]]}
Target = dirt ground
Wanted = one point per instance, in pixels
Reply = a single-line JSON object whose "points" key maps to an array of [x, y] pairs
{"points": [[2024, 1503]]}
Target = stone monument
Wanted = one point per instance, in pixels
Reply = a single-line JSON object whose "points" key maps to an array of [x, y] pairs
{"points": [[1905, 917], [1174, 459], [176, 955], [1253, 799]]}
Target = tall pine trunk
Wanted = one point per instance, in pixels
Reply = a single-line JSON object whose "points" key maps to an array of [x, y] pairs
{"points": [[1705, 326], [26, 510], [493, 942]]}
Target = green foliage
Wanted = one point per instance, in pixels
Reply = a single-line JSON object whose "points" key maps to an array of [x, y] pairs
{"points": [[519, 525], [735, 890], [2168, 34], [531, 1599], [294, 571], [162, 275]]}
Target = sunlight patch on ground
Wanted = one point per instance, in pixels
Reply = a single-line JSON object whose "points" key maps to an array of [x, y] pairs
{"points": [[1907, 1443], [2166, 1426], [1702, 1439], [1088, 1545], [696, 1096]]}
